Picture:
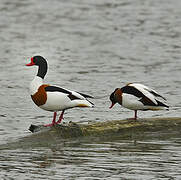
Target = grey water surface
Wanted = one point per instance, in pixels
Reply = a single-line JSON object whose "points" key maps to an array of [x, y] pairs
{"points": [[92, 46]]}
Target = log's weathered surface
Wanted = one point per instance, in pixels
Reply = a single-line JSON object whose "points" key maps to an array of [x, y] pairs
{"points": [[72, 130]]}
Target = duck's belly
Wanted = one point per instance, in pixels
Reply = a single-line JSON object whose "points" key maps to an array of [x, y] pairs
{"points": [[134, 106], [131, 102], [56, 102]]}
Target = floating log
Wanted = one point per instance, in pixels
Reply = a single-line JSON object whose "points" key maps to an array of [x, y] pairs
{"points": [[72, 130]]}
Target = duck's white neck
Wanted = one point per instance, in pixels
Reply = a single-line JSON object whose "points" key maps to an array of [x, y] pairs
{"points": [[35, 84]]}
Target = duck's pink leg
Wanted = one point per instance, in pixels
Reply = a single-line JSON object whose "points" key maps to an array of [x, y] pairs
{"points": [[53, 121], [60, 118]]}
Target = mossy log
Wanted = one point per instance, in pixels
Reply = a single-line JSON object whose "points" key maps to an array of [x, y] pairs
{"points": [[72, 130]]}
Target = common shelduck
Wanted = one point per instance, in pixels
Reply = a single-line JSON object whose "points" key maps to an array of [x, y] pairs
{"points": [[137, 96], [53, 98]]}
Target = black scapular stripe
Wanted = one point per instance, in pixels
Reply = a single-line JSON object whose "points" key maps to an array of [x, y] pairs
{"points": [[70, 95], [56, 89], [132, 90]]}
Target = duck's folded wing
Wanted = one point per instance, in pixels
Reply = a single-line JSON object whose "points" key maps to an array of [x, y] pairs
{"points": [[144, 88], [71, 94], [148, 102], [156, 94], [145, 96], [62, 90]]}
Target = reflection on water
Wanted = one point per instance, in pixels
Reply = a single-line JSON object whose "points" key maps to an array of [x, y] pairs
{"points": [[150, 155], [93, 47]]}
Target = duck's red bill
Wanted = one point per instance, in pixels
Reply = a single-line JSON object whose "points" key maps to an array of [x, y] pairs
{"points": [[111, 105], [31, 63]]}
